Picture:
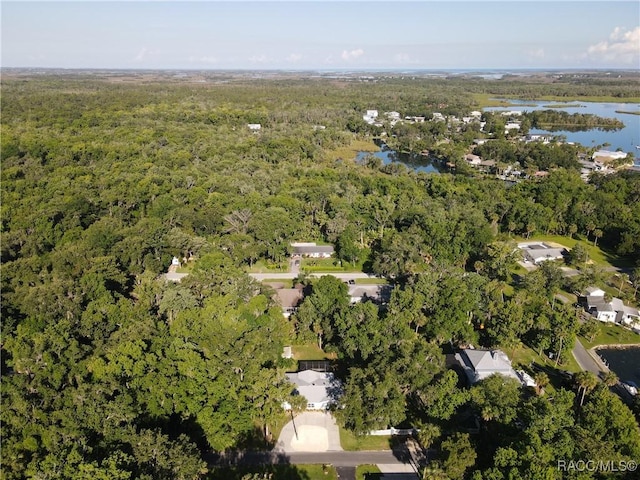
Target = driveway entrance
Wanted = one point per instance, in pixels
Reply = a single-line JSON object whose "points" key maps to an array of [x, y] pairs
{"points": [[310, 432]]}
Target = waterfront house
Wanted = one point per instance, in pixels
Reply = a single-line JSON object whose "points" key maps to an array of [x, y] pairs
{"points": [[614, 311]]}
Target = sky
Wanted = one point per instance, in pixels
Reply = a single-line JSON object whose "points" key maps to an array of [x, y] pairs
{"points": [[321, 35]]}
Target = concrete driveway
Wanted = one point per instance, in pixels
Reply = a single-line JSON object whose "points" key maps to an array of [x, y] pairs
{"points": [[310, 432]]}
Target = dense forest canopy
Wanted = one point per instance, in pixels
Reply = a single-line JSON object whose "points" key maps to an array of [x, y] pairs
{"points": [[110, 372]]}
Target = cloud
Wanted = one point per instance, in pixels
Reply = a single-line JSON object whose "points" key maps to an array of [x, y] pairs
{"points": [[405, 58], [141, 54], [294, 57], [204, 59], [536, 53], [258, 59], [622, 47], [352, 55]]}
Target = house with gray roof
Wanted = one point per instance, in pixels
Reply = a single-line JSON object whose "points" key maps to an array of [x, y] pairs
{"points": [[480, 364], [537, 252], [310, 249], [321, 389]]}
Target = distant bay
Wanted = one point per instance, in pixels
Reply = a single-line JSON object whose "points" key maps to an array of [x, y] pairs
{"points": [[624, 139]]}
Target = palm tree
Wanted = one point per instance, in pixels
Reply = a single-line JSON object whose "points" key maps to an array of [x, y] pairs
{"points": [[610, 379], [586, 381], [597, 233], [624, 278], [542, 380]]}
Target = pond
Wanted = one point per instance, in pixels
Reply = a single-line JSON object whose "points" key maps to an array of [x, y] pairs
{"points": [[416, 162]]}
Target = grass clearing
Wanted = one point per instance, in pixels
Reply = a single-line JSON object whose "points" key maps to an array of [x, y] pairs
{"points": [[261, 266], [352, 442], [611, 334], [368, 472], [310, 351], [349, 152]]}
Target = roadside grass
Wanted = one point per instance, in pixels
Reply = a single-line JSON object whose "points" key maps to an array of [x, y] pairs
{"points": [[279, 472], [371, 281], [611, 334], [368, 472], [349, 152], [351, 442], [285, 282], [310, 351], [330, 264]]}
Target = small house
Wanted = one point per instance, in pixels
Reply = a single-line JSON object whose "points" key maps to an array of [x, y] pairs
{"points": [[311, 250]]}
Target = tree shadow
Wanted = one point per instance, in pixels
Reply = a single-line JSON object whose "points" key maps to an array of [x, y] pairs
{"points": [[239, 465]]}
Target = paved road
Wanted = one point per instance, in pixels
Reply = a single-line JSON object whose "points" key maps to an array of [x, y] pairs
{"points": [[290, 275], [337, 459], [585, 360]]}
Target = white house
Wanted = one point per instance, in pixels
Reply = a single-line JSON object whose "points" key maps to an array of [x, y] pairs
{"points": [[614, 311], [472, 159], [537, 252], [480, 364], [321, 389], [254, 127], [370, 116], [310, 249]]}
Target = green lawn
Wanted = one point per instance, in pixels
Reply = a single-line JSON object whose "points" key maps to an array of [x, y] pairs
{"points": [[611, 334], [368, 472], [523, 356], [287, 283], [310, 351], [262, 266], [351, 442], [279, 472]]}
